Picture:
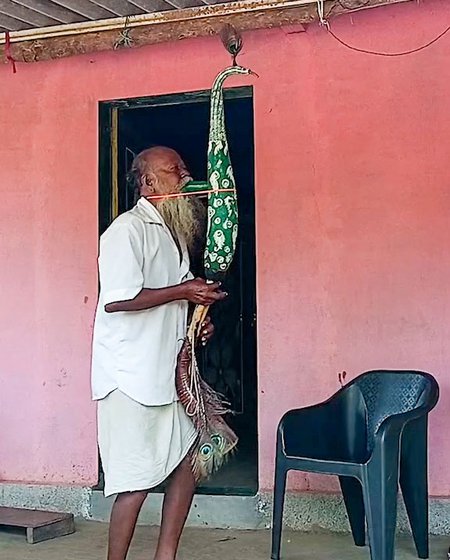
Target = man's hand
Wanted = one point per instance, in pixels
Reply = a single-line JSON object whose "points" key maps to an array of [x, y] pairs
{"points": [[198, 291], [195, 291], [207, 331]]}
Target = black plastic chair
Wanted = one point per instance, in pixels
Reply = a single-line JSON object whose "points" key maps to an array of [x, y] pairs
{"points": [[372, 434]]}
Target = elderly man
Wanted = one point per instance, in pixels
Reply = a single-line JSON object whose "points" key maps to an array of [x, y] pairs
{"points": [[144, 434]]}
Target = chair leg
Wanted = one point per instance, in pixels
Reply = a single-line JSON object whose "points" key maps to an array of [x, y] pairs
{"points": [[414, 483], [278, 506], [380, 491], [354, 504]]}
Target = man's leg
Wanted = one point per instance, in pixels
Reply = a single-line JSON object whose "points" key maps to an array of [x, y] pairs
{"points": [[177, 503], [124, 516]]}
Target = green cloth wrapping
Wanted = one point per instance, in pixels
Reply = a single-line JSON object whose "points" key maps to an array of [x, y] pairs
{"points": [[222, 229]]}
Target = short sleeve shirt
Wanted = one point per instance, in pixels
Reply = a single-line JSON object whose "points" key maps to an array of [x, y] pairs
{"points": [[136, 351]]}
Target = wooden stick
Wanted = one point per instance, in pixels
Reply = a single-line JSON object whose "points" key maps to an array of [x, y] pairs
{"points": [[204, 313], [193, 326]]}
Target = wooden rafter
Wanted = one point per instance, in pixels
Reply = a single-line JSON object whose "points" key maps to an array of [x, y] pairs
{"points": [[66, 40]]}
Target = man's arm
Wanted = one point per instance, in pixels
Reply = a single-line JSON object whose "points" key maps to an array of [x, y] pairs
{"points": [[196, 291]]}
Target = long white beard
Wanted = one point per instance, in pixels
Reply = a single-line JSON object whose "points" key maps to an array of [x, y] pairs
{"points": [[183, 216]]}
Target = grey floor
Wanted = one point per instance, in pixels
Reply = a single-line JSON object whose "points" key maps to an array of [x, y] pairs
{"points": [[88, 543]]}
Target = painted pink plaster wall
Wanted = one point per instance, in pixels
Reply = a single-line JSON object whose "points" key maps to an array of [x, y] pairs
{"points": [[353, 225]]}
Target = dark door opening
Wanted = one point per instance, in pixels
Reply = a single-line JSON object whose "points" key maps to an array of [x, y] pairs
{"points": [[181, 121]]}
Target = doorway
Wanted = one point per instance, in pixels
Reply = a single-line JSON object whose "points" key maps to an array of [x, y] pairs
{"points": [[181, 121]]}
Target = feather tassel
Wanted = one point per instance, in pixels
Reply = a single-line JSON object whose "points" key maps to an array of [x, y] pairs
{"points": [[216, 440]]}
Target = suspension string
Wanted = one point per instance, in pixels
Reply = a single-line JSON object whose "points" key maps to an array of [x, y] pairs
{"points": [[321, 13], [193, 193]]}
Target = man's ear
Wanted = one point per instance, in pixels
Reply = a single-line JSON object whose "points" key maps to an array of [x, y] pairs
{"points": [[149, 179], [147, 183]]}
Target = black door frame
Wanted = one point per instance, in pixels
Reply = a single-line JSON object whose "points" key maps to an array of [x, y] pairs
{"points": [[108, 138], [108, 186]]}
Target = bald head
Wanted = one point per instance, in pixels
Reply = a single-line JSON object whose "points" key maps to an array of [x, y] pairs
{"points": [[159, 171]]}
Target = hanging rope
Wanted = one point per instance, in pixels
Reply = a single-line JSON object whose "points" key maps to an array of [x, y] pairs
{"points": [[181, 194], [321, 13], [124, 39], [388, 54], [8, 54]]}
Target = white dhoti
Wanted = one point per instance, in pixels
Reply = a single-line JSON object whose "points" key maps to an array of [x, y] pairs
{"points": [[140, 446]]}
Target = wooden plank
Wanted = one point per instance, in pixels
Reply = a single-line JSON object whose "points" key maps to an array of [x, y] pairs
{"points": [[177, 98], [119, 7], [18, 517], [168, 30], [85, 8], [52, 10], [12, 24], [104, 169], [58, 47], [59, 528], [182, 4], [24, 14], [153, 5], [39, 525]]}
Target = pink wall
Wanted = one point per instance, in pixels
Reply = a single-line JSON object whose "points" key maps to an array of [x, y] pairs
{"points": [[352, 172]]}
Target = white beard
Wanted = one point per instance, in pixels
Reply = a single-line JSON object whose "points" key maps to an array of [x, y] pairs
{"points": [[183, 216]]}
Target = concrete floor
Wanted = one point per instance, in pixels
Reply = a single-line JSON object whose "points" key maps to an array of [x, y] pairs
{"points": [[88, 543]]}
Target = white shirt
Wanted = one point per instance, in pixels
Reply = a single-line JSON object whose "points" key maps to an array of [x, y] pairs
{"points": [[136, 351]]}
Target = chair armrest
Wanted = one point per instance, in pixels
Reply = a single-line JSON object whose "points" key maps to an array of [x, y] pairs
{"points": [[392, 426], [334, 429]]}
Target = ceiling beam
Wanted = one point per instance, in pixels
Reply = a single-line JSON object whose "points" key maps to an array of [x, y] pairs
{"points": [[182, 4], [22, 13], [49, 9], [120, 8], [172, 26], [152, 5], [12, 24], [85, 8]]}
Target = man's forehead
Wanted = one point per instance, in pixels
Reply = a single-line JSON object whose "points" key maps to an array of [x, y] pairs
{"points": [[163, 158]]}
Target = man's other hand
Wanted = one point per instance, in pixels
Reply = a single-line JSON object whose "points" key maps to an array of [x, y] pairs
{"points": [[206, 331]]}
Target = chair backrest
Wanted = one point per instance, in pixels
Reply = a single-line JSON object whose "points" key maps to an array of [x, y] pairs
{"points": [[387, 393]]}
